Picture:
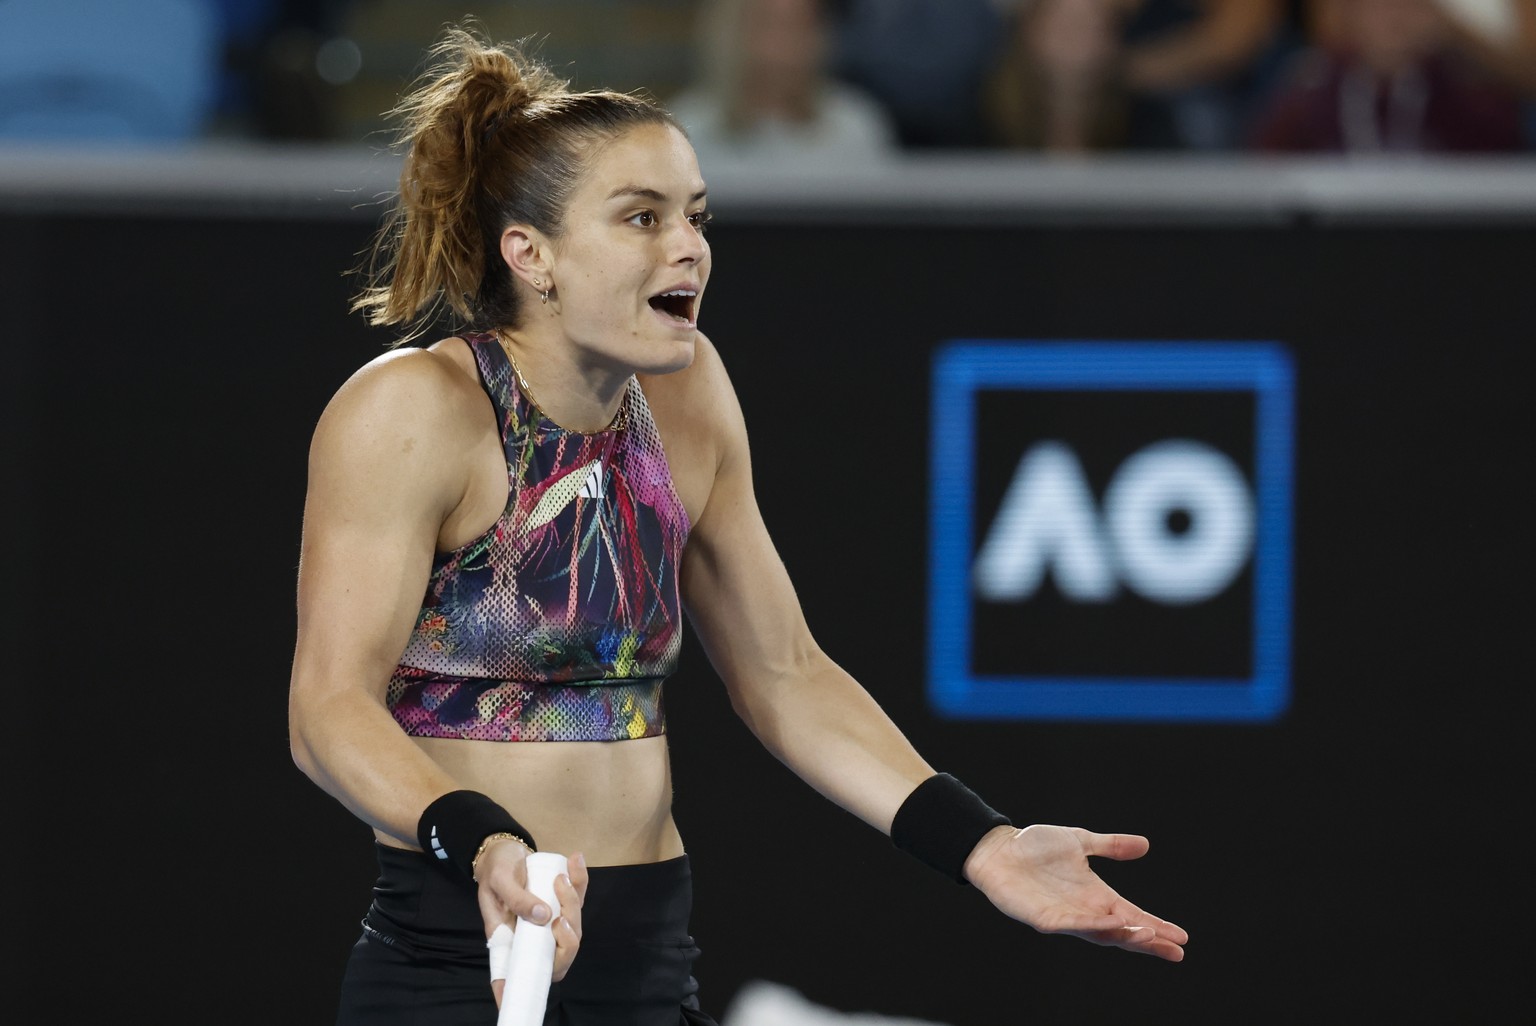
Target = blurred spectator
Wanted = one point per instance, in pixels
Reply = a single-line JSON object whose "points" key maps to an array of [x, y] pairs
{"points": [[1391, 76], [765, 90], [1497, 35], [1137, 74], [926, 61]]}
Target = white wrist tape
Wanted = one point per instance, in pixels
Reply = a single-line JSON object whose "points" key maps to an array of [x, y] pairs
{"points": [[500, 946]]}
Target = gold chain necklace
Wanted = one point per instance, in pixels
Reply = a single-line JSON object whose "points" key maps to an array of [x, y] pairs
{"points": [[620, 419]]}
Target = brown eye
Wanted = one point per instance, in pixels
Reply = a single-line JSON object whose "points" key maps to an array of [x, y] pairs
{"points": [[645, 219], [701, 220]]}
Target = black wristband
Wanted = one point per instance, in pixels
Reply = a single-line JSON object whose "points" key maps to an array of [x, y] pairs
{"points": [[940, 823], [453, 826]]}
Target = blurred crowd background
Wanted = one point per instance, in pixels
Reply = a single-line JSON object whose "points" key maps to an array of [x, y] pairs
{"points": [[839, 80]]}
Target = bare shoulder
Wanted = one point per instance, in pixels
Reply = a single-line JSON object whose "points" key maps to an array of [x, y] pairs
{"points": [[412, 391], [395, 443]]}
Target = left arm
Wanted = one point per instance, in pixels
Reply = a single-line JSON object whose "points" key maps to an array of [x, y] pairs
{"points": [[824, 726], [801, 705]]}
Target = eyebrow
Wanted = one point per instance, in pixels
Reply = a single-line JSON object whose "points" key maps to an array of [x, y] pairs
{"points": [[651, 194]]}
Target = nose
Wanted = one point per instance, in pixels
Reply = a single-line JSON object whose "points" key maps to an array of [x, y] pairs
{"points": [[685, 244]]}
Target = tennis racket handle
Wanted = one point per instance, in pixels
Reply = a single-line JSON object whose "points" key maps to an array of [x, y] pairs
{"points": [[532, 962]]}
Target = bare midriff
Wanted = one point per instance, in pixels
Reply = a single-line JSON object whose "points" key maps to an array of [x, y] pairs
{"points": [[609, 800]]}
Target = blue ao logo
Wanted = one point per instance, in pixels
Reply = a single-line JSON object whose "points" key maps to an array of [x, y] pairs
{"points": [[1110, 531]]}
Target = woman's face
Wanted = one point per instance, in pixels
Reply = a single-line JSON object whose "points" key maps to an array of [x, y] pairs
{"points": [[632, 263], [784, 43]]}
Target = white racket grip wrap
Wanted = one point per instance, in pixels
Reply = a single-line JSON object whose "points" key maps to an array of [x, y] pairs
{"points": [[500, 946], [531, 957]]}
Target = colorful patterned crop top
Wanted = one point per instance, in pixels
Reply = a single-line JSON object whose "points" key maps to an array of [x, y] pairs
{"points": [[562, 620]]}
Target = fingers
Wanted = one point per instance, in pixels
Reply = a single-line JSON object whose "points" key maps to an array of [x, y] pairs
{"points": [[502, 901], [1120, 847], [1140, 931], [1136, 931], [501, 905], [491, 911], [1143, 940], [576, 869], [503, 893], [567, 941], [1147, 940], [571, 892], [1125, 926], [1133, 916], [1161, 927]]}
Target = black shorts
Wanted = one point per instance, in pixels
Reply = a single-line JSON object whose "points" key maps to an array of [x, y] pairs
{"points": [[422, 961]]}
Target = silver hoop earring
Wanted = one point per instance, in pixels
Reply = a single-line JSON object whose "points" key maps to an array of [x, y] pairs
{"points": [[544, 296]]}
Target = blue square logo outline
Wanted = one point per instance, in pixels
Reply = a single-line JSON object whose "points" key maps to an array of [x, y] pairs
{"points": [[961, 367]]}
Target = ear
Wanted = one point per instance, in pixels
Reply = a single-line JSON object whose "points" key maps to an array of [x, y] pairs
{"points": [[527, 252]]}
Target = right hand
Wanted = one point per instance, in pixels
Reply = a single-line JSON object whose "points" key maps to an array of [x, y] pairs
{"points": [[504, 897]]}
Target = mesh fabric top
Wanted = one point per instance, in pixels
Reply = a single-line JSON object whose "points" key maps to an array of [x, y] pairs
{"points": [[560, 622]]}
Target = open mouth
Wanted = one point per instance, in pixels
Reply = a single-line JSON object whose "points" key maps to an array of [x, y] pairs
{"points": [[676, 304]]}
